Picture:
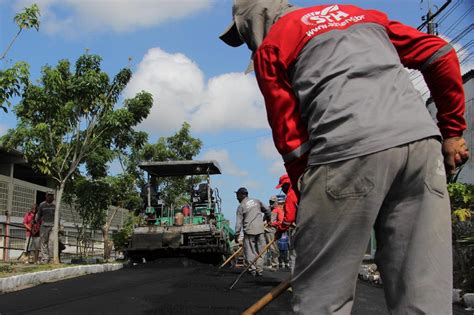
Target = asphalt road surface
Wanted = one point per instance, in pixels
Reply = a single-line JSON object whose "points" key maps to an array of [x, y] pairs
{"points": [[168, 286]]}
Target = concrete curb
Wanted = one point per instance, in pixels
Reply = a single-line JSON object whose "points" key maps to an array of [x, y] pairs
{"points": [[19, 282]]}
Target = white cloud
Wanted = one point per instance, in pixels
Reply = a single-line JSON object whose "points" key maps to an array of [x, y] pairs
{"points": [[227, 165], [233, 101], [177, 85], [266, 149], [229, 101], [115, 15], [3, 129], [277, 168], [253, 186]]}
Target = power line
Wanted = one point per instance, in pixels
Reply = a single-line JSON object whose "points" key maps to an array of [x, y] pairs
{"points": [[465, 60], [430, 17], [463, 33], [451, 28], [449, 12]]}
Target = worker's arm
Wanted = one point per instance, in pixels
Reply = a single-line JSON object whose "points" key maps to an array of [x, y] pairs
{"points": [[267, 213], [290, 134], [238, 223], [279, 219], [290, 209], [39, 214], [26, 224], [438, 62]]}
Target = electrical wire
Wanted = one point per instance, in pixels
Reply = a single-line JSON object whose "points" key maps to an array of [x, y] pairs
{"points": [[463, 33], [465, 60], [456, 23], [449, 12], [414, 75]]}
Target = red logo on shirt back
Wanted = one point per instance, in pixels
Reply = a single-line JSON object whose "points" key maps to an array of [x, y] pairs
{"points": [[327, 15]]}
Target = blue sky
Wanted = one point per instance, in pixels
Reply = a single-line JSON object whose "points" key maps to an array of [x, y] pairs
{"points": [[194, 77]]}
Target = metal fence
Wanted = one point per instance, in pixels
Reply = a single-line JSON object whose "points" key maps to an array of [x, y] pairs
{"points": [[15, 242], [16, 199]]}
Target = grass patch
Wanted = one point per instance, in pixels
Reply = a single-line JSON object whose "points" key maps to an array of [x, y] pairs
{"points": [[8, 269]]}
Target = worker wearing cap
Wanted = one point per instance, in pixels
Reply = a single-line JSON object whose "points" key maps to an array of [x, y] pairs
{"points": [[289, 215], [250, 220], [270, 230], [45, 215], [291, 202], [357, 139]]}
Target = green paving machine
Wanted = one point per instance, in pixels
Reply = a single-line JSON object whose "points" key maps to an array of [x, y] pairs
{"points": [[197, 229]]}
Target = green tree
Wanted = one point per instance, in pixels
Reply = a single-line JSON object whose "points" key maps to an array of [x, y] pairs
{"points": [[70, 116], [124, 194], [122, 237], [96, 210], [13, 79], [178, 147], [90, 199], [462, 208]]}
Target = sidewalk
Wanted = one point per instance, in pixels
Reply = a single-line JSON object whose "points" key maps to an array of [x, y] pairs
{"points": [[27, 280]]}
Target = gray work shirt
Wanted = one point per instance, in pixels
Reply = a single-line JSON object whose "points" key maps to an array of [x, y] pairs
{"points": [[46, 213], [250, 215]]}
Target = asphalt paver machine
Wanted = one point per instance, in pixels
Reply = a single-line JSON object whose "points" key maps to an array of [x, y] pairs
{"points": [[197, 229]]}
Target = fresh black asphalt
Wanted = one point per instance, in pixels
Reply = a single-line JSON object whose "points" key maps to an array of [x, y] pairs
{"points": [[168, 286]]}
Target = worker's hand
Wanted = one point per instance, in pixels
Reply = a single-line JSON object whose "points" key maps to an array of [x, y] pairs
{"points": [[278, 234], [295, 169], [455, 152], [285, 226]]}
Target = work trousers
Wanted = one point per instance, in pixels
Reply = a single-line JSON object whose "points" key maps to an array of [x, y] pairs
{"points": [[253, 245], [46, 242], [401, 193], [273, 250]]}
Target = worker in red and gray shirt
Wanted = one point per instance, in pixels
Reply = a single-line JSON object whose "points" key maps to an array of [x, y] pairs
{"points": [[289, 212], [362, 149]]}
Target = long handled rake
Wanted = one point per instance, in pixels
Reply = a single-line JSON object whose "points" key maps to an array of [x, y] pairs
{"points": [[267, 298], [237, 252], [253, 262], [25, 252]]}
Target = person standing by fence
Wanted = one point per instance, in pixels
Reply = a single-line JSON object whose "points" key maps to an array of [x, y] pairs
{"points": [[45, 215], [32, 243]]}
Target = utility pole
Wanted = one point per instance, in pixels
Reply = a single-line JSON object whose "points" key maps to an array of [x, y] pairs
{"points": [[429, 18], [431, 26]]}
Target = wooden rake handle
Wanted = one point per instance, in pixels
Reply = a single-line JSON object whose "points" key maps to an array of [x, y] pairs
{"points": [[253, 262], [267, 298], [237, 252]]}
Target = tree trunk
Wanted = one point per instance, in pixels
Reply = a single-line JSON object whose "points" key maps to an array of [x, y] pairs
{"points": [[105, 233], [59, 194], [107, 242]]}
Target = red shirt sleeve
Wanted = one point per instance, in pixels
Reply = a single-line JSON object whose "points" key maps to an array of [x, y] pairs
{"points": [[279, 219], [438, 62], [27, 219], [291, 207], [283, 111]]}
